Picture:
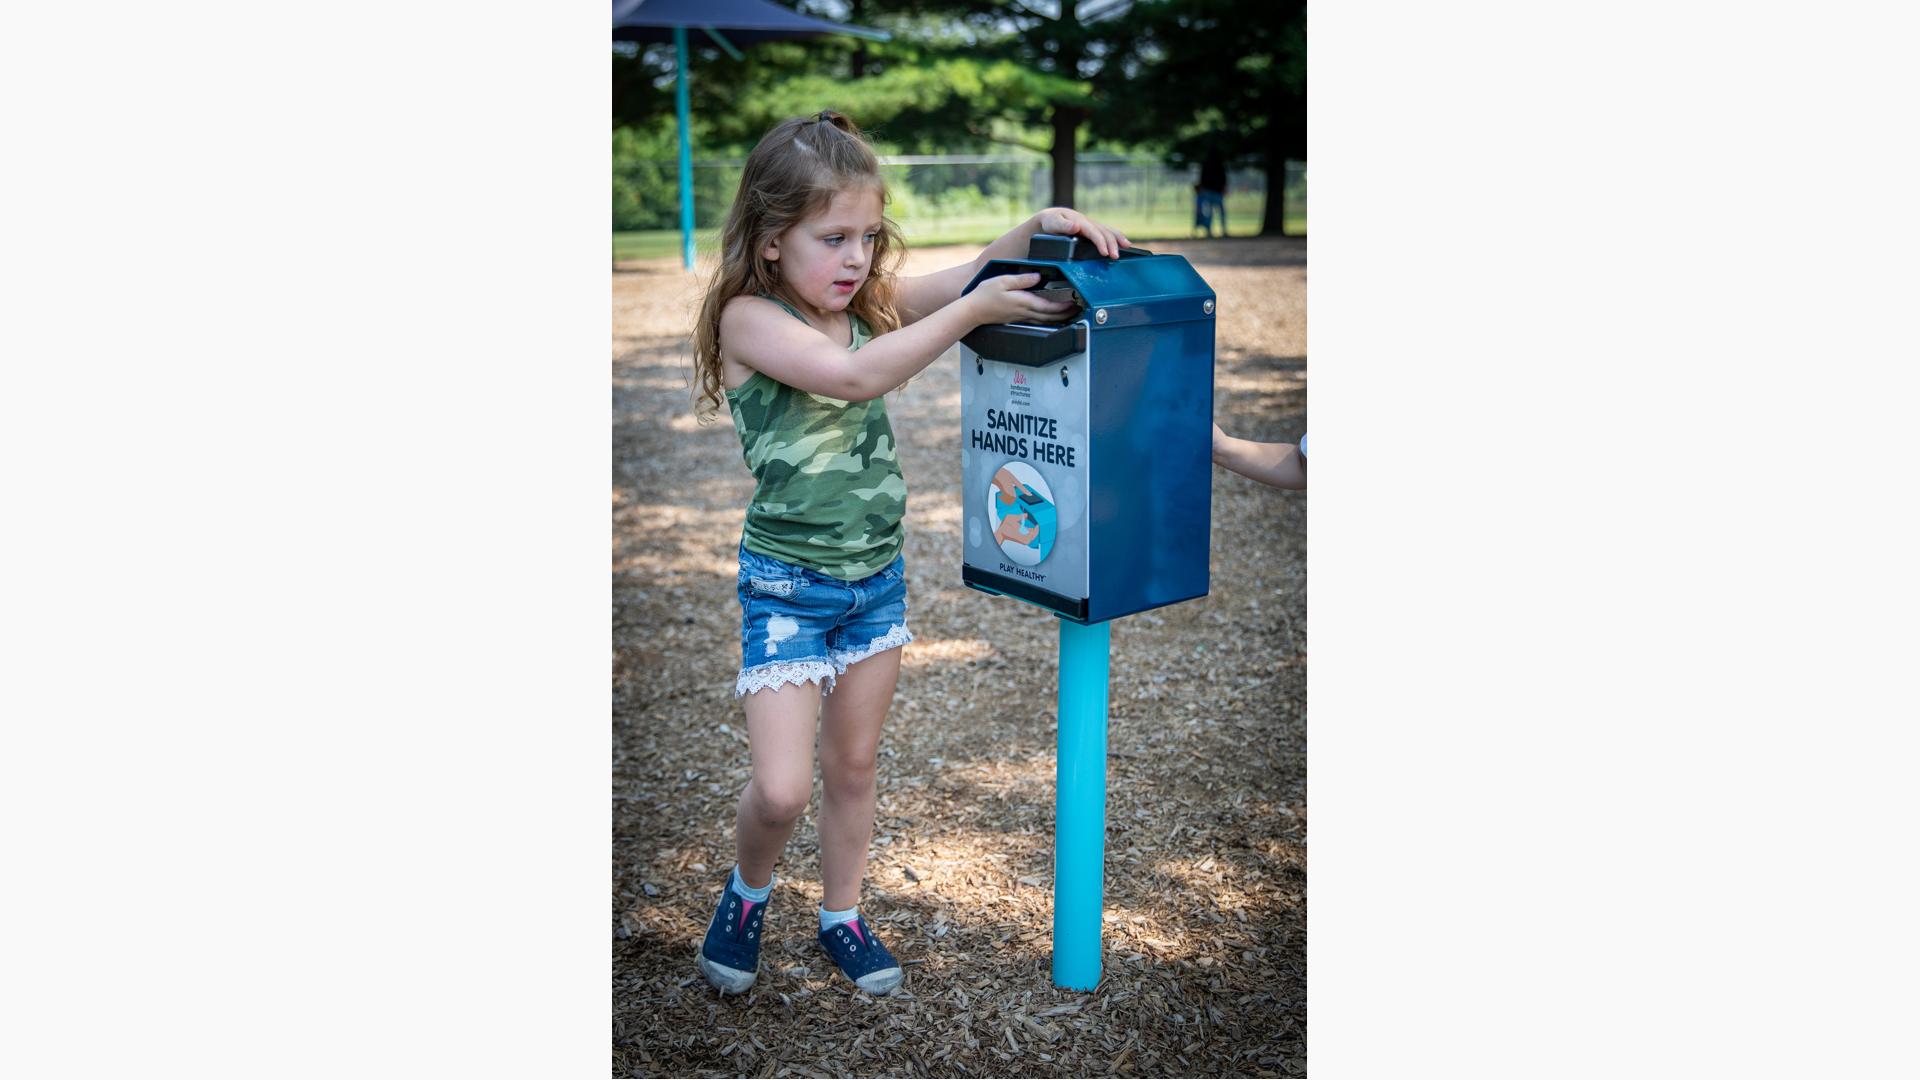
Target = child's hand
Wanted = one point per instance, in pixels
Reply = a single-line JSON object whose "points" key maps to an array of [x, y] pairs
{"points": [[1019, 528], [1005, 299], [1061, 221]]}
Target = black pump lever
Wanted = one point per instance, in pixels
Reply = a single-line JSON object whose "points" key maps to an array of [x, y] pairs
{"points": [[1071, 248]]}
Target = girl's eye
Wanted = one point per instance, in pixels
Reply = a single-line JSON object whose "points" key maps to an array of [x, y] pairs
{"points": [[872, 236], [835, 239]]}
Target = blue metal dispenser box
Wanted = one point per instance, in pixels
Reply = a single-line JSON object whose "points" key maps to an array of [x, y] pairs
{"points": [[1087, 448]]}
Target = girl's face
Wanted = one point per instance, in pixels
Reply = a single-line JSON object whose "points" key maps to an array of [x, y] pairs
{"points": [[825, 258]]}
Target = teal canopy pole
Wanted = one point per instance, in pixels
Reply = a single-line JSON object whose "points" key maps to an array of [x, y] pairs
{"points": [[686, 147], [1080, 805]]}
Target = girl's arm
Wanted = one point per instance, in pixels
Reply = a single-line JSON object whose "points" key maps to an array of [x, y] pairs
{"points": [[1278, 465], [759, 334], [919, 296]]}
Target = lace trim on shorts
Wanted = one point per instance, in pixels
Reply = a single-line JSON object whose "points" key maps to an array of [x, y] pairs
{"points": [[895, 636], [781, 672]]}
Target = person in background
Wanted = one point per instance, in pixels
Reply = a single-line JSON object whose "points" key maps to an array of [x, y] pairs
{"points": [[1281, 465], [1210, 194]]}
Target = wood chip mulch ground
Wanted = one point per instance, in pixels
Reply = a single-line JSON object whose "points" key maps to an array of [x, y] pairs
{"points": [[1204, 970]]}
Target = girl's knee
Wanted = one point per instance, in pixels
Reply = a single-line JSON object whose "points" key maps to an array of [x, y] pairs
{"points": [[780, 802], [848, 774]]}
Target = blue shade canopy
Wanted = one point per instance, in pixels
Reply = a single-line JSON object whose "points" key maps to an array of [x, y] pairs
{"points": [[745, 22]]}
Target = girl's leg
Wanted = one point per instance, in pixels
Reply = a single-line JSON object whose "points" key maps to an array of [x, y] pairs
{"points": [[780, 727], [849, 739]]}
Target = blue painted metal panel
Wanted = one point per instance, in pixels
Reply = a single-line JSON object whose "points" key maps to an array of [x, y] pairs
{"points": [[1152, 476]]}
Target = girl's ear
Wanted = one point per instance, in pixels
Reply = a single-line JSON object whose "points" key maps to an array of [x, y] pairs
{"points": [[771, 252]]}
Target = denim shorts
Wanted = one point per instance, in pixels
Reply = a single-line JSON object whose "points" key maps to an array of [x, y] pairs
{"points": [[798, 625]]}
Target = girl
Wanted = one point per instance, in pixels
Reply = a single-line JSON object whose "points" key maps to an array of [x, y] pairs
{"points": [[803, 328]]}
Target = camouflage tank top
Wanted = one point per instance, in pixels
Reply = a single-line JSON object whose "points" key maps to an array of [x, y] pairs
{"points": [[829, 492]]}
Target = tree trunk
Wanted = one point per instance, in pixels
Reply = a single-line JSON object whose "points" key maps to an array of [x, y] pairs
{"points": [[856, 14], [1066, 118], [1285, 137], [1066, 124], [1273, 222]]}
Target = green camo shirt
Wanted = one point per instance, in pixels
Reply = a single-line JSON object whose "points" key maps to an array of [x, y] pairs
{"points": [[829, 493]]}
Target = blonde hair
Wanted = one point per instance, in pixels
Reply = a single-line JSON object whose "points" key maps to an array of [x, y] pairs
{"points": [[793, 173]]}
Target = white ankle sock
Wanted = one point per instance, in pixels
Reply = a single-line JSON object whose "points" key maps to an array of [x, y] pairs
{"points": [[831, 919], [759, 895]]}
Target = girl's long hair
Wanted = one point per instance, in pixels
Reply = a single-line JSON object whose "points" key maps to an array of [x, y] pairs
{"points": [[793, 173]]}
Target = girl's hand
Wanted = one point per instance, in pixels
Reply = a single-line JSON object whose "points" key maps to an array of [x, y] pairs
{"points": [[1061, 221], [1005, 299]]}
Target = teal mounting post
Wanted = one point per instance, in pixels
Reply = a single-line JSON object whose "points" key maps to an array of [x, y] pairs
{"points": [[686, 146], [1080, 805]]}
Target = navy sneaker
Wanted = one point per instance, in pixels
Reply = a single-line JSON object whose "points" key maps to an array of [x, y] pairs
{"points": [[730, 957], [861, 956]]}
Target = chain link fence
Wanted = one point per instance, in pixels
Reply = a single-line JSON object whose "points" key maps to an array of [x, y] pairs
{"points": [[956, 198]]}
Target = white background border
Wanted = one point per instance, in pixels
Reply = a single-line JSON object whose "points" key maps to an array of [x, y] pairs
{"points": [[1613, 368], [306, 432], [306, 625]]}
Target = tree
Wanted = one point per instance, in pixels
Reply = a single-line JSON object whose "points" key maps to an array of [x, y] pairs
{"points": [[1178, 75], [1193, 75], [923, 92], [1059, 51], [957, 70]]}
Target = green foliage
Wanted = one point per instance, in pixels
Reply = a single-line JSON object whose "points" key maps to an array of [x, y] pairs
{"points": [[959, 75], [641, 92], [646, 181], [645, 195], [1173, 77], [1194, 75], [922, 107], [990, 191]]}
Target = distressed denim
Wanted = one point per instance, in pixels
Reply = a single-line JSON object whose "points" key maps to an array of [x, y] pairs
{"points": [[798, 625]]}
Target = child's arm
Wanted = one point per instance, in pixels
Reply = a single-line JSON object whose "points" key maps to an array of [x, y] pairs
{"points": [[1278, 465], [919, 296], [757, 333]]}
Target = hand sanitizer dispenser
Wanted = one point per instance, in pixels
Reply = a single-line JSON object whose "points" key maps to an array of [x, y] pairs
{"points": [[1087, 447]]}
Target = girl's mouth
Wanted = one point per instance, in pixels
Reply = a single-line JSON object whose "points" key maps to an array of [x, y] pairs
{"points": [[845, 285]]}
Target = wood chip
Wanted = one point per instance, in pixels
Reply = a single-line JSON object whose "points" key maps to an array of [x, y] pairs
{"points": [[1206, 797]]}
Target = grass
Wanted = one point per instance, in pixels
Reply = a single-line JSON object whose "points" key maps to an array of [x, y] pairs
{"points": [[659, 243], [665, 243]]}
